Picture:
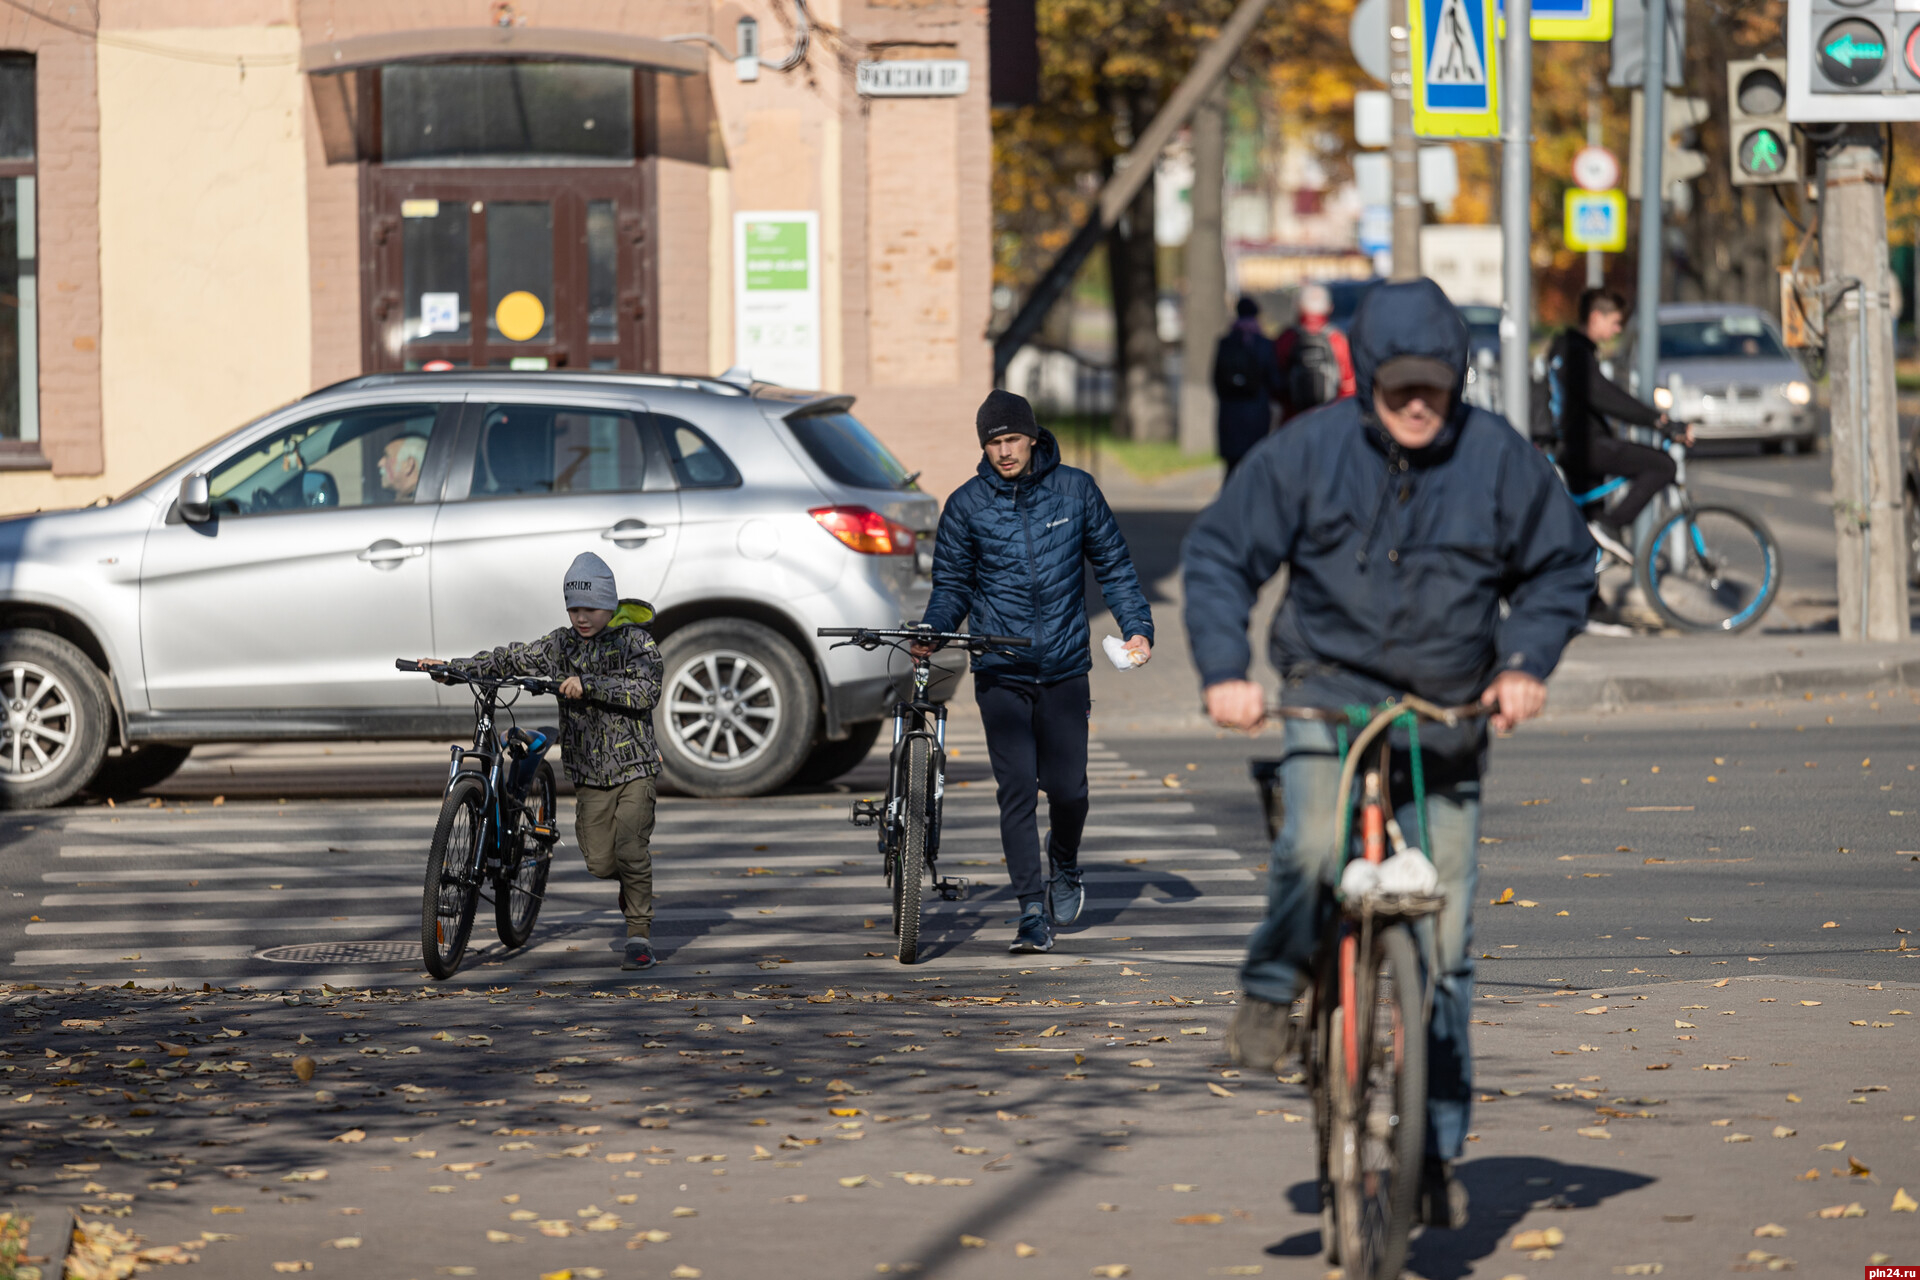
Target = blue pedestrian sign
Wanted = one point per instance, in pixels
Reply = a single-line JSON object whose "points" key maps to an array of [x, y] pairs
{"points": [[1567, 20], [1596, 220], [1455, 69]]}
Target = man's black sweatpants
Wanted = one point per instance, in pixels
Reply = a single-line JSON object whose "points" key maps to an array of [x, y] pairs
{"points": [[1037, 741]]}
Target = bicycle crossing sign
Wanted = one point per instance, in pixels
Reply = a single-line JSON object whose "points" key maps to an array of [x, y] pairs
{"points": [[1455, 69], [1596, 220]]}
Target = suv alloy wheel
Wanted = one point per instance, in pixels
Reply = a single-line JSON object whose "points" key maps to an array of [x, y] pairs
{"points": [[738, 708], [53, 719]]}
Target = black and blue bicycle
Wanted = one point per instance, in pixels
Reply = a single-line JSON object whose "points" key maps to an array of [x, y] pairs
{"points": [[496, 831], [1709, 566]]}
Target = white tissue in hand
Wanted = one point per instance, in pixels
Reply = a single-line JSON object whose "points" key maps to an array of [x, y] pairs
{"points": [[1408, 872], [1359, 880], [1118, 654]]}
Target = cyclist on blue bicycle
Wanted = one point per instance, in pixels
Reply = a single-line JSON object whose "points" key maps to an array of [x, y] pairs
{"points": [[1407, 518]]}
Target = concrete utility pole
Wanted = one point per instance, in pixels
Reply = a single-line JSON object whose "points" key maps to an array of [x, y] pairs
{"points": [[1653, 149], [1404, 154], [1516, 220], [1596, 269], [1867, 505], [1206, 302]]}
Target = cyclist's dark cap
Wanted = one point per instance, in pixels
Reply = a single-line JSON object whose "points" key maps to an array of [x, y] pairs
{"points": [[1415, 371]]}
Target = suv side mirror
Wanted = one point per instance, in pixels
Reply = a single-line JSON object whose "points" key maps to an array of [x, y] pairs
{"points": [[196, 504]]}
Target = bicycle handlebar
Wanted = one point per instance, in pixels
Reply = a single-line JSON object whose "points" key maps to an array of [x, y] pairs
{"points": [[1448, 716], [532, 684], [936, 638]]}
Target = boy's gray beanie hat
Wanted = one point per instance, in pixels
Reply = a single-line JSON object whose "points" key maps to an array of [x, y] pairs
{"points": [[589, 583]]}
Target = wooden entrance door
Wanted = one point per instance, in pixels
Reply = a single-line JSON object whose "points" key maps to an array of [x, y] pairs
{"points": [[536, 268]]}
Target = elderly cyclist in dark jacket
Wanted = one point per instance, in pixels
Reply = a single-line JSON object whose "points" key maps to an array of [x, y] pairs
{"points": [[1008, 555], [1408, 518]]}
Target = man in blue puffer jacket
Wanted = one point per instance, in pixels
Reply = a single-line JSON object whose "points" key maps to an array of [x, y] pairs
{"points": [[1407, 518], [1008, 555]]}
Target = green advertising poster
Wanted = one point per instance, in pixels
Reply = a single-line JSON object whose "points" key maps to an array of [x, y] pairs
{"points": [[776, 296], [776, 254]]}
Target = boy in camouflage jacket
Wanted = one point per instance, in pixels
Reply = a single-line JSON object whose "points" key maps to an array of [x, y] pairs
{"points": [[610, 672]]}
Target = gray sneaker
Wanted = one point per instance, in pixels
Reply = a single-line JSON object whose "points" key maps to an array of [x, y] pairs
{"points": [[1066, 895], [639, 954], [1035, 933], [1443, 1201], [1263, 1035]]}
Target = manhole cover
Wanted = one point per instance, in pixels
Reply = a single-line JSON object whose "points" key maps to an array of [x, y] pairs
{"points": [[344, 953]]}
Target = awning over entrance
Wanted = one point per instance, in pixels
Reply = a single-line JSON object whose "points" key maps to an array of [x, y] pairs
{"points": [[547, 44], [337, 92]]}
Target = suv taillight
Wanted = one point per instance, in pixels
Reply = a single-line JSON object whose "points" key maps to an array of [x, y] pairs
{"points": [[867, 532]]}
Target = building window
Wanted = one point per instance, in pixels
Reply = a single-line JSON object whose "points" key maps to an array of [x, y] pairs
{"points": [[19, 267], [506, 113]]}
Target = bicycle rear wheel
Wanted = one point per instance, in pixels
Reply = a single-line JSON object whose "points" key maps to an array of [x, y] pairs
{"points": [[911, 870], [522, 885], [1710, 568], [1378, 1109], [453, 878]]}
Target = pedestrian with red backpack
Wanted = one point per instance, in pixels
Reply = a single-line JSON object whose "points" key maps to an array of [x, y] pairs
{"points": [[1316, 365]]}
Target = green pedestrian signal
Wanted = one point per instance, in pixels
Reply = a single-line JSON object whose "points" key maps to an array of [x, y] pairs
{"points": [[1761, 153]]}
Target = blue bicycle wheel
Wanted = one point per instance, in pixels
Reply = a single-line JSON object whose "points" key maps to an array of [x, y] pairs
{"points": [[1709, 568]]}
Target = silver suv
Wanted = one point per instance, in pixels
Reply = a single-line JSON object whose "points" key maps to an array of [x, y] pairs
{"points": [[261, 588]]}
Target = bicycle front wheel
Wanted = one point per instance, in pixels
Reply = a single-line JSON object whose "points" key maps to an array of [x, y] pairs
{"points": [[453, 878], [1378, 1108], [1710, 568], [522, 885], [911, 870]]}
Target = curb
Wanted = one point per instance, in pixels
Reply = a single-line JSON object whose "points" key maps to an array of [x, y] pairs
{"points": [[1573, 688]]}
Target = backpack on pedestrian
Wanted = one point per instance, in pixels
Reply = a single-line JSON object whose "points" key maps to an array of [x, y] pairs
{"points": [[1236, 369], [1313, 374], [1546, 403]]}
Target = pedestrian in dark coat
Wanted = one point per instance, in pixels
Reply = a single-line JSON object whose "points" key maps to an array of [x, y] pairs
{"points": [[1246, 382], [1008, 556]]}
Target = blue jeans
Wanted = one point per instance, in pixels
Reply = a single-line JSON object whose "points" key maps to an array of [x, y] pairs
{"points": [[1300, 905]]}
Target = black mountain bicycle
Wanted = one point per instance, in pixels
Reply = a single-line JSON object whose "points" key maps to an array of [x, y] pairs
{"points": [[909, 819], [496, 831]]}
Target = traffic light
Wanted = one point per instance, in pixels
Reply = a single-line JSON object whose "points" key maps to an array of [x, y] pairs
{"points": [[1763, 150], [1680, 161], [1851, 60]]}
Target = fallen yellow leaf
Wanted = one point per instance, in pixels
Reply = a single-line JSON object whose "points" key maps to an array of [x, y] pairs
{"points": [[1550, 1238], [1771, 1229], [1904, 1203], [972, 1242], [351, 1135], [1199, 1220]]}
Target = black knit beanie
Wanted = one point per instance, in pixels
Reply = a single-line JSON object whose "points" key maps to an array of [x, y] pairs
{"points": [[1004, 413]]}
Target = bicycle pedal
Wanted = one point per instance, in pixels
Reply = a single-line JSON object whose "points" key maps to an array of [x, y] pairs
{"points": [[953, 888], [546, 835], [867, 813]]}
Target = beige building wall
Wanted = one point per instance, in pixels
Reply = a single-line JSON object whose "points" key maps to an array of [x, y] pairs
{"points": [[204, 301]]}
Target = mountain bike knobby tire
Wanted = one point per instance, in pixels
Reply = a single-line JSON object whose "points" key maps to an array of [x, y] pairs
{"points": [[1731, 595], [453, 878], [523, 879], [1377, 1120], [910, 873]]}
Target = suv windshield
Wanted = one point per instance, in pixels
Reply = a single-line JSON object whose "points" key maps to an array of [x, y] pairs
{"points": [[841, 446], [1721, 338]]}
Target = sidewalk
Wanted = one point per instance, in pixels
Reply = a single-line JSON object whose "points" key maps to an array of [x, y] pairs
{"points": [[1685, 1129]]}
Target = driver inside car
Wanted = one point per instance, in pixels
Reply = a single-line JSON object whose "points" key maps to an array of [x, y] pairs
{"points": [[400, 464]]}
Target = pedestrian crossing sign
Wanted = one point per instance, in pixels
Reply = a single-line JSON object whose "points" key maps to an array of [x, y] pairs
{"points": [[1596, 220], [1567, 20], [1455, 69]]}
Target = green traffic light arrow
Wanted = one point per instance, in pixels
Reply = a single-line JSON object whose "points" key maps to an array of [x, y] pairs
{"points": [[1844, 51]]}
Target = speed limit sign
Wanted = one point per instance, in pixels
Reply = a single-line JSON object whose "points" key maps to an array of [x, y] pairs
{"points": [[1595, 169]]}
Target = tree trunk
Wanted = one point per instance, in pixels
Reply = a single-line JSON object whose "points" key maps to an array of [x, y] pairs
{"points": [[1205, 309], [1143, 400]]}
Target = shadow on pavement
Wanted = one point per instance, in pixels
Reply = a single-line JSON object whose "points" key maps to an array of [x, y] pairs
{"points": [[1502, 1189]]}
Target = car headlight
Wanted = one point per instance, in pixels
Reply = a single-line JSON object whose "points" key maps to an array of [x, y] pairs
{"points": [[1797, 393], [1662, 399]]}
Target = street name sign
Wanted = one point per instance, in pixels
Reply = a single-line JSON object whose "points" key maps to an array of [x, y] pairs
{"points": [[1596, 220], [1567, 20], [912, 78], [1455, 70]]}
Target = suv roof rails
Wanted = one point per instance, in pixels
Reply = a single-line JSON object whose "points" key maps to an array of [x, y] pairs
{"points": [[690, 382]]}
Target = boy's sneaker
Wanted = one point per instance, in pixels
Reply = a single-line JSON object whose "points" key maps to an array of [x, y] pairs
{"points": [[1035, 933], [1263, 1035], [1066, 895], [639, 954], [1443, 1201]]}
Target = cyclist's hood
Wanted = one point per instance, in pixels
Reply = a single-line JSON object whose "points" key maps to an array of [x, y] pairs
{"points": [[1412, 318], [632, 612]]}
